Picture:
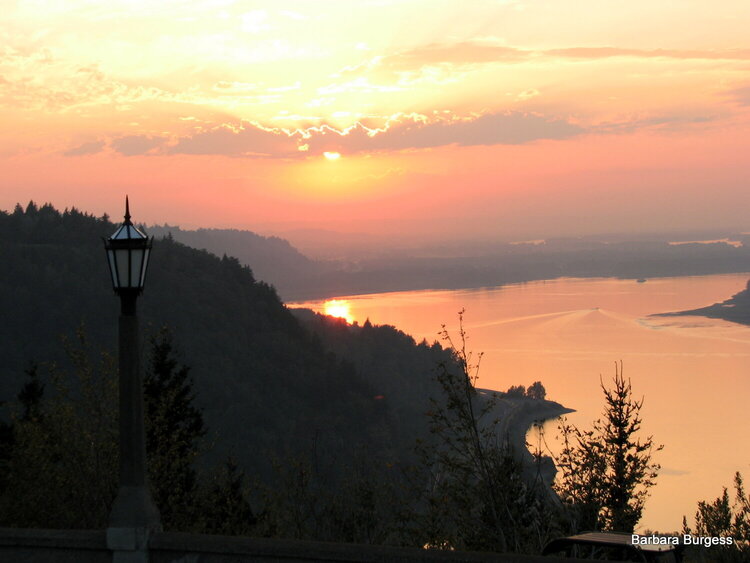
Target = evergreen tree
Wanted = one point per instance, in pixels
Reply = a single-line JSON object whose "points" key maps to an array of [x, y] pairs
{"points": [[61, 471], [607, 471], [30, 399], [722, 518], [224, 506], [174, 427], [213, 502]]}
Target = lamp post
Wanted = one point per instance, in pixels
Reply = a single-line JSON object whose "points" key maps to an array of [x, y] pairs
{"points": [[134, 514]]}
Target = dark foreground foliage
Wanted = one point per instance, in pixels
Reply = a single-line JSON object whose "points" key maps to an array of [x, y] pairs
{"points": [[723, 518], [61, 463], [465, 489]]}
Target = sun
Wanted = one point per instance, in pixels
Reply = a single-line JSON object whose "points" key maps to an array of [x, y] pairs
{"points": [[339, 308], [332, 155]]}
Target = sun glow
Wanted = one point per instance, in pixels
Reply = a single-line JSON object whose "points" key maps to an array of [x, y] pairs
{"points": [[338, 308], [332, 155]]}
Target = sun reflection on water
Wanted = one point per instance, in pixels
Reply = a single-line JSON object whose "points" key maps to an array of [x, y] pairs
{"points": [[339, 308]]}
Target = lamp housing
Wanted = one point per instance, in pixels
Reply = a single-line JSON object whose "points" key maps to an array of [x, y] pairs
{"points": [[128, 252]]}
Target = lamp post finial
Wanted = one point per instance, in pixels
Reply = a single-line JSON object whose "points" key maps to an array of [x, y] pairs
{"points": [[127, 211]]}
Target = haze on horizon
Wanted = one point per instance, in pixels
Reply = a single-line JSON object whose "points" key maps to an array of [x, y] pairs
{"points": [[516, 118]]}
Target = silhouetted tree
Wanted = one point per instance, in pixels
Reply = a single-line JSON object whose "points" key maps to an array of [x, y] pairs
{"points": [[476, 497], [536, 391], [518, 391], [174, 427], [722, 518], [224, 508], [62, 468], [30, 398], [607, 471]]}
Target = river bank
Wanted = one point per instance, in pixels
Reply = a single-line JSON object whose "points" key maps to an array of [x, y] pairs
{"points": [[516, 416]]}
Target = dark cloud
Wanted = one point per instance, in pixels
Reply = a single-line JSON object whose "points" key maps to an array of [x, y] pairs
{"points": [[133, 145], [86, 148], [489, 129], [245, 140]]}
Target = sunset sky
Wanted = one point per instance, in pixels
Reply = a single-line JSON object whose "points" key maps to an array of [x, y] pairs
{"points": [[515, 118]]}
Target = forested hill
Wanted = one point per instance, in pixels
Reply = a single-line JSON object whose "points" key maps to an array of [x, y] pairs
{"points": [[735, 309], [460, 265], [267, 384], [272, 259]]}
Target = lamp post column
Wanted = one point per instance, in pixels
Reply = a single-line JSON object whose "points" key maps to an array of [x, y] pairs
{"points": [[134, 514], [132, 432], [134, 506]]}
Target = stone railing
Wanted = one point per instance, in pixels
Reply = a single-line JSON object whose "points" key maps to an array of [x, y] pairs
{"points": [[90, 546]]}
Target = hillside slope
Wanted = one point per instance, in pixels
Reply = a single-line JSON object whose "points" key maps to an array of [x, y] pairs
{"points": [[268, 385], [272, 259]]}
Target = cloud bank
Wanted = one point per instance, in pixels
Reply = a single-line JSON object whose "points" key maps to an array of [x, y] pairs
{"points": [[248, 139]]}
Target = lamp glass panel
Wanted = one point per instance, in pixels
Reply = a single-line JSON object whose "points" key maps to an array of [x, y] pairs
{"points": [[112, 268], [136, 257], [123, 268], [146, 256]]}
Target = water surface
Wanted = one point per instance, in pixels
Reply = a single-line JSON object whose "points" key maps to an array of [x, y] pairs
{"points": [[693, 372]]}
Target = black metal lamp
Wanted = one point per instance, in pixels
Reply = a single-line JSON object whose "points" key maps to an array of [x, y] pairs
{"points": [[128, 251]]}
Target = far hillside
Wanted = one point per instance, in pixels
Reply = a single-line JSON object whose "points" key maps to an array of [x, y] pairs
{"points": [[272, 259], [461, 265]]}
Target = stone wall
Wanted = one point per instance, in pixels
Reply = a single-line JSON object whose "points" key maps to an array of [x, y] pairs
{"points": [[19, 545], [87, 546]]}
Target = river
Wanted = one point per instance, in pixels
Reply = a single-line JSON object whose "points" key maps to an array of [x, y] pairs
{"points": [[693, 372]]}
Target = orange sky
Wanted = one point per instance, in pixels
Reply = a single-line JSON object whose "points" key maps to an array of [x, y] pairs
{"points": [[519, 118]]}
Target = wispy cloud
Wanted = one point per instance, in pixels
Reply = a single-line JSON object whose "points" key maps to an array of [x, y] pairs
{"points": [[133, 145], [86, 148], [457, 53], [655, 122], [740, 96], [609, 52], [485, 52]]}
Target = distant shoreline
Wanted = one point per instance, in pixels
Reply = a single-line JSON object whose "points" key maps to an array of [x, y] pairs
{"points": [[522, 420], [736, 309], [298, 303], [517, 416], [367, 283]]}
